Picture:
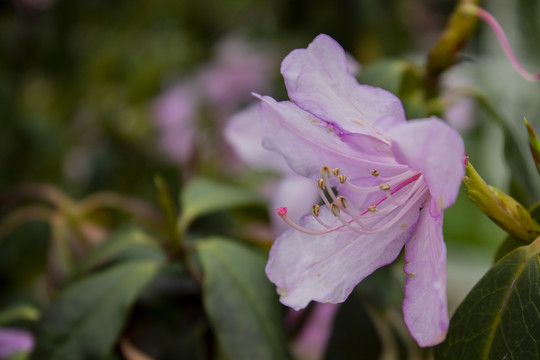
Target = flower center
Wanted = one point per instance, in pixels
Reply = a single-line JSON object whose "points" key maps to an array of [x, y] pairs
{"points": [[399, 194]]}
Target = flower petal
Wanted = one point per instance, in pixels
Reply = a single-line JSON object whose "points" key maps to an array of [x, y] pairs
{"points": [[434, 148], [425, 307], [297, 194], [318, 80], [326, 268], [307, 143], [243, 134]]}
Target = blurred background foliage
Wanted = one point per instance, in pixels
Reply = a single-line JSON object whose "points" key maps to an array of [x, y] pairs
{"points": [[79, 80]]}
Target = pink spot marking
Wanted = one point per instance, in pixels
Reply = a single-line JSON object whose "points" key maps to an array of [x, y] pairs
{"points": [[281, 211]]}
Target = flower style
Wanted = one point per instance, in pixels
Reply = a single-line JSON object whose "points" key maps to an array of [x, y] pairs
{"points": [[384, 182]]}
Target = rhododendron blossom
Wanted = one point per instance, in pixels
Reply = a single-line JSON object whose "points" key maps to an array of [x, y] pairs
{"points": [[383, 182]]}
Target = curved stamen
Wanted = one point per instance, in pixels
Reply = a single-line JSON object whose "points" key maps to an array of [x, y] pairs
{"points": [[282, 212], [417, 194], [412, 197], [388, 181]]}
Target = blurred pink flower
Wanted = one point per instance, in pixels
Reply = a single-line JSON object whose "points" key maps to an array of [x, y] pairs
{"points": [[174, 113], [460, 108], [237, 70], [13, 341], [214, 92], [312, 341]]}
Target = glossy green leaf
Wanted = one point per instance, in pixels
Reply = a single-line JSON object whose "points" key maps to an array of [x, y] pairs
{"points": [[241, 303], [86, 319], [499, 317], [128, 244], [203, 196]]}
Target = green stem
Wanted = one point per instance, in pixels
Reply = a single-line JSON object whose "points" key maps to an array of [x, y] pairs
{"points": [[169, 212], [444, 54]]}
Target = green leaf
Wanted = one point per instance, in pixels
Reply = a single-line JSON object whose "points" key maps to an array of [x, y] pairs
{"points": [[241, 303], [86, 319], [354, 329], [202, 197], [128, 244], [499, 317]]}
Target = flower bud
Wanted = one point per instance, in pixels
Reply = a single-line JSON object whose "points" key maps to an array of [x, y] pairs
{"points": [[504, 210]]}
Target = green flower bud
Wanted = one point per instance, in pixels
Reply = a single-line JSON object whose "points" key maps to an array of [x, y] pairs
{"points": [[504, 210]]}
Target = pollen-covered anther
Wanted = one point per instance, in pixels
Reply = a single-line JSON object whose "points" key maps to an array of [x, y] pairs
{"points": [[336, 171], [325, 172], [342, 178], [374, 172], [315, 210], [321, 184], [335, 209], [384, 187], [372, 208], [342, 202]]}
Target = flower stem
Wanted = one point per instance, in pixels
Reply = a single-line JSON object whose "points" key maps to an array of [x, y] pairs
{"points": [[473, 9]]}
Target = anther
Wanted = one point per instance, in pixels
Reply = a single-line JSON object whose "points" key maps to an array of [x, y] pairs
{"points": [[321, 184], [374, 173], [342, 178], [335, 209], [336, 171], [372, 208], [342, 201], [384, 187], [315, 210], [325, 172]]}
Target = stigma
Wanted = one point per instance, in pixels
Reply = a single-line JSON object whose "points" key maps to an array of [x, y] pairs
{"points": [[398, 194]]}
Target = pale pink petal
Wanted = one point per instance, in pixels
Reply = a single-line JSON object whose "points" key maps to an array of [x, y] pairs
{"points": [[297, 194], [425, 306], [434, 148], [308, 144], [174, 113], [326, 268], [243, 134], [319, 81]]}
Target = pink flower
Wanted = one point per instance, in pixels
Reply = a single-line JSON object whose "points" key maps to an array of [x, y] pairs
{"points": [[174, 112], [13, 341], [384, 181], [213, 93]]}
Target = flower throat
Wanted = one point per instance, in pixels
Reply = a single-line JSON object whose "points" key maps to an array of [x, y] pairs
{"points": [[399, 194]]}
